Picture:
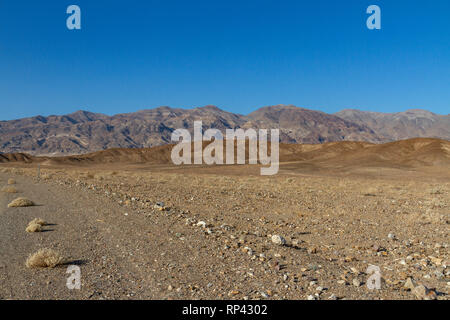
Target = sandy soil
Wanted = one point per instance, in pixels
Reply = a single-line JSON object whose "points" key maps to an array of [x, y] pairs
{"points": [[214, 238]]}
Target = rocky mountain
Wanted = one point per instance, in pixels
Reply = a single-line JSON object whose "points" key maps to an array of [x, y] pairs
{"points": [[298, 125], [402, 125], [82, 132]]}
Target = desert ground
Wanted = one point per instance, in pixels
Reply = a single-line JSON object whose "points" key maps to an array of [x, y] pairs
{"points": [[141, 228]]}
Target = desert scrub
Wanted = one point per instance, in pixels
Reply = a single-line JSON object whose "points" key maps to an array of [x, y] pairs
{"points": [[44, 258], [21, 202], [33, 227], [38, 221], [11, 181]]}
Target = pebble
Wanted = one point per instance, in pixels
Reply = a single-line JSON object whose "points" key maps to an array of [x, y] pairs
{"points": [[278, 240], [392, 236], [201, 224], [423, 293], [409, 284], [356, 282]]}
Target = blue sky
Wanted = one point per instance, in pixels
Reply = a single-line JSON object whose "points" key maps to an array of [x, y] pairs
{"points": [[238, 55]]}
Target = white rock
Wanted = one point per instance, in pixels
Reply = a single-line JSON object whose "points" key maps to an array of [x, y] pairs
{"points": [[356, 282], [279, 240], [201, 224]]}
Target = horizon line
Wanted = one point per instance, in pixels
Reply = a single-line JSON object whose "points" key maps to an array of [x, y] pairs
{"points": [[222, 109]]}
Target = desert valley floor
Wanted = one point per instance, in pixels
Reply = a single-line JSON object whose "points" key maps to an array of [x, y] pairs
{"points": [[140, 228]]}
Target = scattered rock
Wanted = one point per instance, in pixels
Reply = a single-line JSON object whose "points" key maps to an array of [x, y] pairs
{"points": [[410, 284], [392, 236], [423, 293], [278, 240], [201, 224]]}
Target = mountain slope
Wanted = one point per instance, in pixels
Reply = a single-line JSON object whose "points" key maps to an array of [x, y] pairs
{"points": [[298, 125], [84, 132], [401, 125]]}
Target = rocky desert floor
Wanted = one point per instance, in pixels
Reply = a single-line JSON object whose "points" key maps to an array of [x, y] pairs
{"points": [[161, 232]]}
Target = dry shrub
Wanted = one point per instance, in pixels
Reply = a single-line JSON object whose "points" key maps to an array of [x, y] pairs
{"points": [[33, 227], [38, 221], [11, 181], [21, 202], [10, 190], [44, 258]]}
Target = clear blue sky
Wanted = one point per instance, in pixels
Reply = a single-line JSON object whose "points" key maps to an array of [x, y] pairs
{"points": [[238, 55]]}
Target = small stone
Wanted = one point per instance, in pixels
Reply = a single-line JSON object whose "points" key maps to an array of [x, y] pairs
{"points": [[409, 284], [201, 224], [233, 293], [356, 282], [332, 297], [423, 293], [392, 236], [436, 261], [311, 297], [278, 240]]}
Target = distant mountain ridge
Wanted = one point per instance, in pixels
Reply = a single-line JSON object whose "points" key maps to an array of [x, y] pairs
{"points": [[83, 132], [415, 123]]}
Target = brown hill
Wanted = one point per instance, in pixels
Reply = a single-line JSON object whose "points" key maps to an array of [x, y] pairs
{"points": [[407, 153]]}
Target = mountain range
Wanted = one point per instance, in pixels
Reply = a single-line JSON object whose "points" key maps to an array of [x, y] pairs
{"points": [[83, 132]]}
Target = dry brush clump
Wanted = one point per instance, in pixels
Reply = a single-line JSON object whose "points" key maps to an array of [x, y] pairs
{"points": [[38, 221], [21, 202], [44, 258], [10, 189], [11, 181], [33, 227]]}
